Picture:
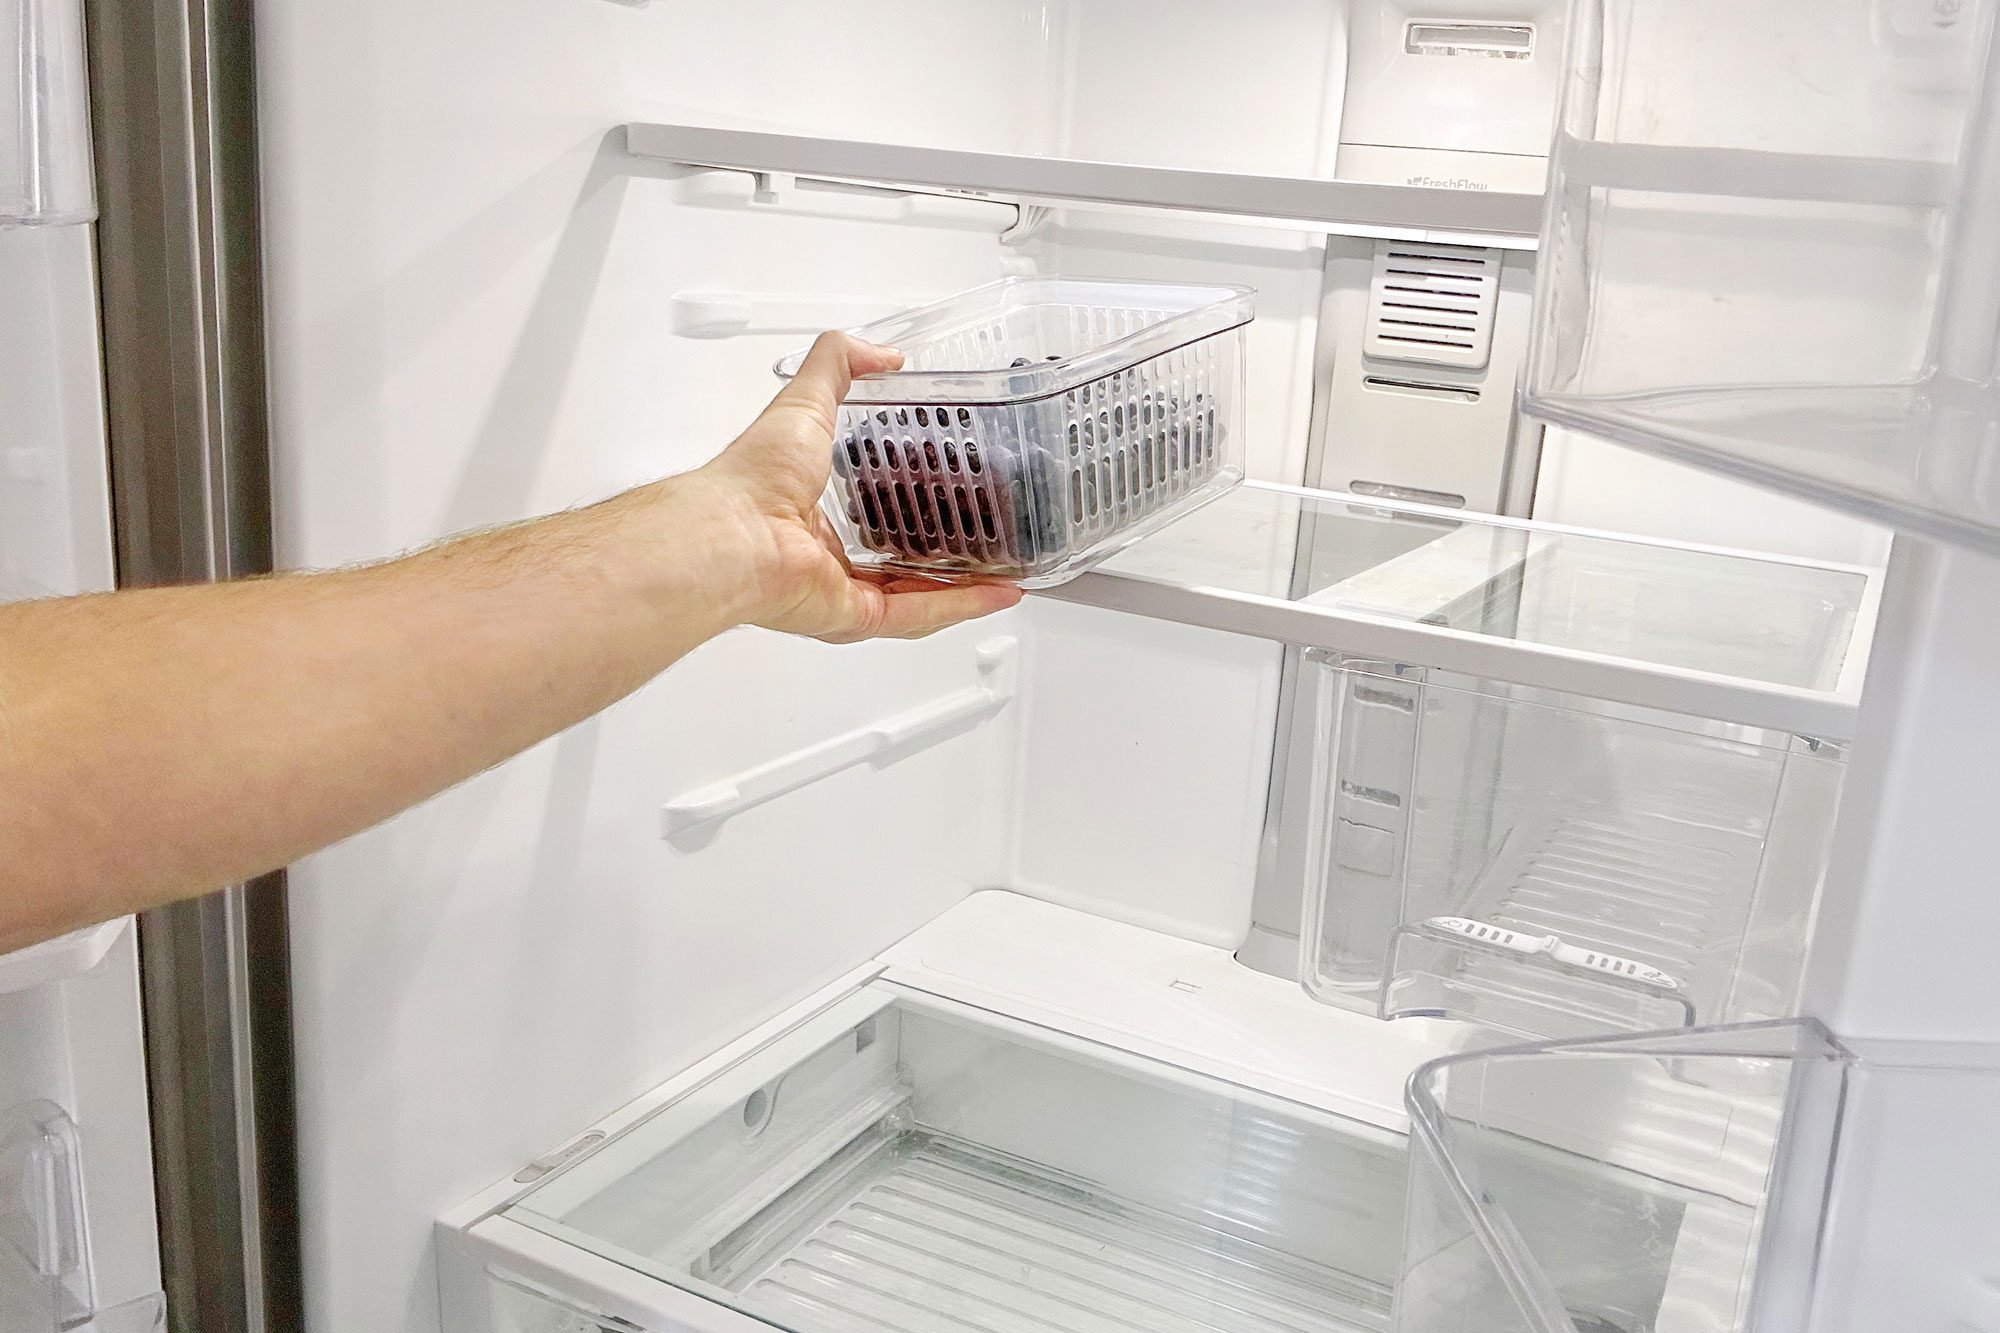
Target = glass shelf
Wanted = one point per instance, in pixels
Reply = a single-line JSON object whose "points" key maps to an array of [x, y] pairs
{"points": [[1704, 632], [1497, 218]]}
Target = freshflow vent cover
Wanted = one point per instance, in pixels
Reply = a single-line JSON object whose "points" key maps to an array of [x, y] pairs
{"points": [[1432, 304]]}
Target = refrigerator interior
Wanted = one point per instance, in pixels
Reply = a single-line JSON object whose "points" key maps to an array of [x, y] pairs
{"points": [[482, 307]]}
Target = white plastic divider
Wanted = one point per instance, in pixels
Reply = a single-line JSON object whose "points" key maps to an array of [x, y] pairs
{"points": [[1311, 623], [1469, 217], [691, 819]]}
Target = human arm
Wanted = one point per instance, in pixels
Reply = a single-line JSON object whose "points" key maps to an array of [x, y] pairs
{"points": [[157, 744]]}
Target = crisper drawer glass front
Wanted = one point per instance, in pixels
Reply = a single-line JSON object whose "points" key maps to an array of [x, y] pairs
{"points": [[1551, 865], [1766, 621], [899, 1162]]}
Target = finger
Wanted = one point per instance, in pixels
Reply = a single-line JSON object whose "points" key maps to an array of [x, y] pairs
{"points": [[898, 582], [911, 615], [828, 373]]}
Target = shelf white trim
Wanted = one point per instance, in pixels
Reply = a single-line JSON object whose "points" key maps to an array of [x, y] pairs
{"points": [[1824, 714], [1499, 218]]}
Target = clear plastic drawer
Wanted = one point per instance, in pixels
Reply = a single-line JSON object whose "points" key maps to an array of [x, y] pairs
{"points": [[1768, 1178], [1039, 425], [899, 1162], [1552, 865], [1770, 248]]}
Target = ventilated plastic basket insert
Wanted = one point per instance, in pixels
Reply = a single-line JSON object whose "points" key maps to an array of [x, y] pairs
{"points": [[1038, 425]]}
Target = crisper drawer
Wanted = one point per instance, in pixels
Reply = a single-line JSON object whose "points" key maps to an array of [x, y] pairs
{"points": [[1550, 865], [1769, 248], [901, 1162]]}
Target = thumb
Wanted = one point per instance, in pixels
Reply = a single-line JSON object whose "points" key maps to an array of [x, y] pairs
{"points": [[827, 373]]}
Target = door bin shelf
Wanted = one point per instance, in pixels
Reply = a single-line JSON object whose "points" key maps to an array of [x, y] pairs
{"points": [[1769, 249], [1679, 1182], [1552, 865]]}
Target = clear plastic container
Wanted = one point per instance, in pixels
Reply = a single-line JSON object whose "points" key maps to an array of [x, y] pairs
{"points": [[1766, 1178], [1551, 865], [903, 1163], [45, 163], [1772, 247], [1038, 425]]}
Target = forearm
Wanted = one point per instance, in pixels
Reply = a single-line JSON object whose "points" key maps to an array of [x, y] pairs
{"points": [[158, 744]]}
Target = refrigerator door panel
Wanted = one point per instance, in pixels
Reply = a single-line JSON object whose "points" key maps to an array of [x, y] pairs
{"points": [[78, 1239]]}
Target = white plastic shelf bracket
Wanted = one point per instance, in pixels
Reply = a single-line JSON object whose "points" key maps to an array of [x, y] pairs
{"points": [[692, 820]]}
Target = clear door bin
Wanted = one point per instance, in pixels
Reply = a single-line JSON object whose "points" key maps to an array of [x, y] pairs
{"points": [[1039, 425], [1552, 865], [1773, 247], [899, 1162], [1725, 1180], [45, 1282], [45, 166]]}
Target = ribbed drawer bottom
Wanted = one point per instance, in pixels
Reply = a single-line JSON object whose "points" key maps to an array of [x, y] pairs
{"points": [[930, 1235]]}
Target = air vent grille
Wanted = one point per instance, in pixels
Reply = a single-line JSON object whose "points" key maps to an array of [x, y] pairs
{"points": [[1432, 304]]}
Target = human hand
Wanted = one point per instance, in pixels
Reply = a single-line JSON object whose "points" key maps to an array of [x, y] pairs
{"points": [[772, 476]]}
